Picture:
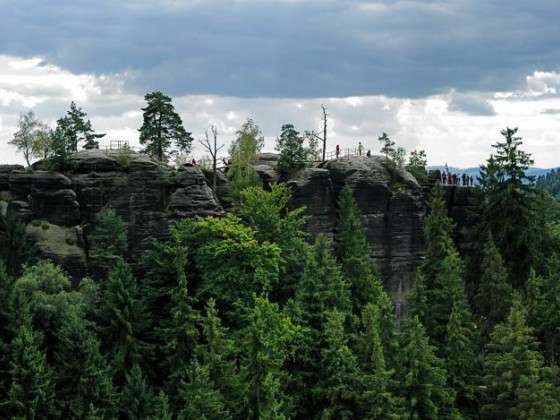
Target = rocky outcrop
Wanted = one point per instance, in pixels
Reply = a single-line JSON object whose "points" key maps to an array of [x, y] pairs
{"points": [[149, 197], [60, 208]]}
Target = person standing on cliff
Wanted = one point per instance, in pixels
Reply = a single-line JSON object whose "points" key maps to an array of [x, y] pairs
{"points": [[337, 151], [360, 148]]}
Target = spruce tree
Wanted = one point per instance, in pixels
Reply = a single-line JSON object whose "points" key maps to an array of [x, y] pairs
{"points": [[509, 209], [462, 361], [162, 127], [216, 353], [322, 287], [31, 391], [423, 379], [494, 296], [109, 236], [178, 334], [353, 252], [123, 321], [517, 383], [439, 279], [81, 129], [200, 396], [83, 376], [378, 399], [338, 389], [266, 345], [137, 399]]}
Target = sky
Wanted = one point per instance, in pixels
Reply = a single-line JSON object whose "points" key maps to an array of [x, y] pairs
{"points": [[439, 75]]}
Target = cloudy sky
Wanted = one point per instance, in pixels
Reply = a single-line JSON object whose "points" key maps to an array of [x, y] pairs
{"points": [[442, 75]]}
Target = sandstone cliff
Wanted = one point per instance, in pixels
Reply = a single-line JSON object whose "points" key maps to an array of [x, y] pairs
{"points": [[60, 208]]}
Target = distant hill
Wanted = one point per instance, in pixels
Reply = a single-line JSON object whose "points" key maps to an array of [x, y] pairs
{"points": [[474, 172]]}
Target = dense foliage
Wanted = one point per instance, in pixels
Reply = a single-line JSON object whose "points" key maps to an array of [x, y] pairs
{"points": [[248, 317]]}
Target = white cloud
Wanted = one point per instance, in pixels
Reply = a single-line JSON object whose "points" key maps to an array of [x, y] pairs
{"points": [[449, 126]]}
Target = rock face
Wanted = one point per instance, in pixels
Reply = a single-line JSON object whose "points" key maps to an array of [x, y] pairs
{"points": [[148, 196], [60, 208]]}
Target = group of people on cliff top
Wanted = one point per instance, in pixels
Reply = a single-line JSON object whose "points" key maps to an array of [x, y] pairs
{"points": [[450, 178], [359, 150]]}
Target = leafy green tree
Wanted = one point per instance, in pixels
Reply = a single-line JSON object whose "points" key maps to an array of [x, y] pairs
{"points": [[423, 377], [201, 398], [266, 344], [245, 265], [41, 147], [31, 391], [494, 296], [123, 321], [292, 150], [82, 374], [244, 151], [517, 384], [162, 127], [417, 163], [338, 389], [268, 213], [43, 294], [353, 252], [510, 207], [137, 399], [109, 236], [28, 128]]}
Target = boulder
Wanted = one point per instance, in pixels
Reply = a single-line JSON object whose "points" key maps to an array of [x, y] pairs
{"points": [[61, 244]]}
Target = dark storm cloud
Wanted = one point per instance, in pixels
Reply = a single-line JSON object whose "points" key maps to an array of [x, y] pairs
{"points": [[291, 48]]}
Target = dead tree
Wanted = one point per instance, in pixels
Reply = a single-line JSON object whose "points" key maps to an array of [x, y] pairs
{"points": [[211, 146], [324, 130], [324, 138]]}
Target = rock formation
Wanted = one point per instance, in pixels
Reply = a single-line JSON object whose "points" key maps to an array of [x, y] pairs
{"points": [[60, 208]]}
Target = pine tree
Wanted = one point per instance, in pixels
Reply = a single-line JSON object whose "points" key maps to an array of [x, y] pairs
{"points": [[338, 389], [137, 401], [123, 322], [83, 377], [292, 150], [31, 391], [352, 250], [387, 145], [201, 399], [494, 296], [81, 129], [517, 384], [423, 377], [162, 126], [16, 249]]}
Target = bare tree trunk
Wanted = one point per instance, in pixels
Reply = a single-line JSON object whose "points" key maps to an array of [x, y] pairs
{"points": [[212, 148], [324, 130]]}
